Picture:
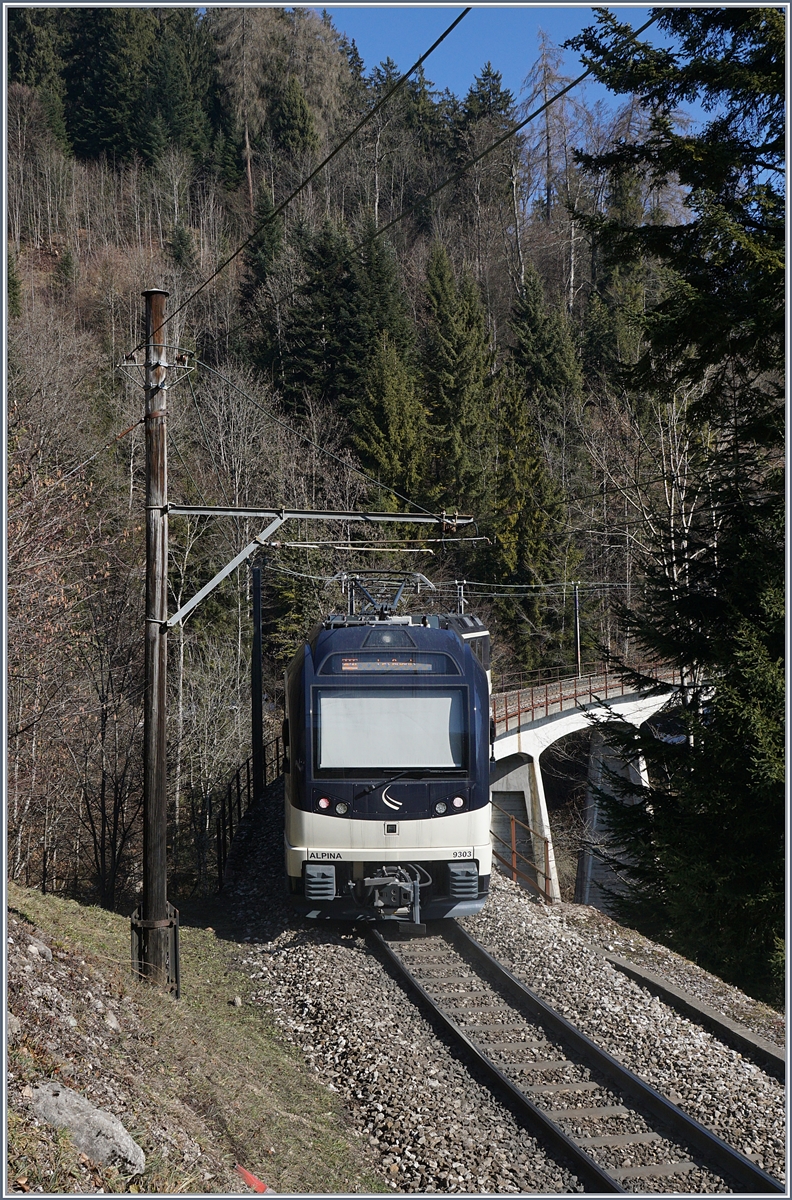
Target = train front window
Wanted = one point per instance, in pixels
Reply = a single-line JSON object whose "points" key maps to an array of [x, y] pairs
{"points": [[375, 729]]}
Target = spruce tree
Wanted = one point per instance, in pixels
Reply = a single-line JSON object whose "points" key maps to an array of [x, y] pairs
{"points": [[292, 121], [527, 528], [108, 76], [545, 358], [455, 371], [37, 46], [705, 841], [14, 292], [327, 327], [390, 427]]}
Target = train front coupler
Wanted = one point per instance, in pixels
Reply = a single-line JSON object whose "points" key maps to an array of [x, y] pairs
{"points": [[394, 889]]}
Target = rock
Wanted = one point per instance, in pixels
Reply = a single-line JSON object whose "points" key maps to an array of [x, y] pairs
{"points": [[35, 947], [112, 1020], [14, 1028], [96, 1133]]}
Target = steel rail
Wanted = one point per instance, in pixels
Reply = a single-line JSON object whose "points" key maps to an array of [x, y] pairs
{"points": [[716, 1153], [589, 1171], [724, 1156]]}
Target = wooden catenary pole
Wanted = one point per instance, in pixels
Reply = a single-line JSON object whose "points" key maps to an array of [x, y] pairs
{"points": [[155, 818], [256, 691]]}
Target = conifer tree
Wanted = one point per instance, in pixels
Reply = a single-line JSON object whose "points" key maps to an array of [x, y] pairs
{"points": [[455, 370], [262, 253], [390, 427], [14, 293], [108, 75], [704, 843], [327, 327], [545, 358], [292, 121], [37, 45], [527, 527]]}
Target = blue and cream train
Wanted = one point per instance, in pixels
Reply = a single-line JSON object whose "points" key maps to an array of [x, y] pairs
{"points": [[387, 737]]}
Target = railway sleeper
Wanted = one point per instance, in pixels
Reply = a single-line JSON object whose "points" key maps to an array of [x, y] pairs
{"points": [[676, 1136]]}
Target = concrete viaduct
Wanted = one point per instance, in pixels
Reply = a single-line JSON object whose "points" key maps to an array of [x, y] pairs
{"points": [[528, 721]]}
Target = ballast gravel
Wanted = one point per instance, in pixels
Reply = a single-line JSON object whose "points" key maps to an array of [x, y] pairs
{"points": [[723, 1090], [434, 1127]]}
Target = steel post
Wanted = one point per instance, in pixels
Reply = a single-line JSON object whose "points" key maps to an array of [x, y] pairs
{"points": [[155, 933]]}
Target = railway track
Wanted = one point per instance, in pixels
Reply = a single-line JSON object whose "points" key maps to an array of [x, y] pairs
{"points": [[619, 1134]]}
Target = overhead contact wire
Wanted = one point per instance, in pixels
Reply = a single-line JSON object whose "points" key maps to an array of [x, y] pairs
{"points": [[489, 149], [322, 449]]}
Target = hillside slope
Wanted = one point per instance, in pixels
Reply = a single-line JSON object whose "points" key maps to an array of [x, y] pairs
{"points": [[201, 1084]]}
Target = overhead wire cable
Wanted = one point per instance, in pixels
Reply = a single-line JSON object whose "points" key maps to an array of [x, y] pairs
{"points": [[75, 470], [301, 186], [493, 146], [322, 449]]}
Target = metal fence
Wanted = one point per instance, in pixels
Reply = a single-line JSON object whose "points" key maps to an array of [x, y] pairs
{"points": [[511, 710], [522, 679], [515, 855], [236, 798]]}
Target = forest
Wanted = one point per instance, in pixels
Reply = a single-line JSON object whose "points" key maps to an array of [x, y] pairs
{"points": [[576, 338]]}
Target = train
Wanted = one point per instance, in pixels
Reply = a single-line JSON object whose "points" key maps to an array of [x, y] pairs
{"points": [[387, 743]]}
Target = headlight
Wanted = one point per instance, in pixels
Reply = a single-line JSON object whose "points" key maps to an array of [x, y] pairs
{"points": [[440, 807], [342, 807]]}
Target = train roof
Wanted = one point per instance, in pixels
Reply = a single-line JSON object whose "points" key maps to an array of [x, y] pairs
{"points": [[361, 625]]}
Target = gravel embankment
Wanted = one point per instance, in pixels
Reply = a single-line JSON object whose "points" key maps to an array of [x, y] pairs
{"points": [[718, 1086], [435, 1128]]}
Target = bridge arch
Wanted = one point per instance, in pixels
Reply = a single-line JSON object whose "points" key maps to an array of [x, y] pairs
{"points": [[529, 721]]}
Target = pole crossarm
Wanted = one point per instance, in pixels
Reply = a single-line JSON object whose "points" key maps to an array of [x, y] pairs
{"points": [[308, 514], [280, 516]]}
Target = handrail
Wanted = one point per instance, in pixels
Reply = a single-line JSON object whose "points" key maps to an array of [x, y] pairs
{"points": [[529, 704], [515, 854], [233, 791], [545, 674]]}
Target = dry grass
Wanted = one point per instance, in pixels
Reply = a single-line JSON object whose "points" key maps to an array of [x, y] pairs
{"points": [[198, 1072]]}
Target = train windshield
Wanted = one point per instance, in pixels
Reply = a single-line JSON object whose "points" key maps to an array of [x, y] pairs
{"points": [[383, 728]]}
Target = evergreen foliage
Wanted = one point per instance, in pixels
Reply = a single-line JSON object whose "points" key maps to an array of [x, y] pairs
{"points": [[455, 369], [108, 81], [261, 254], [705, 843], [14, 292], [527, 526], [37, 40], [328, 327], [182, 248], [390, 428], [292, 121], [544, 351]]}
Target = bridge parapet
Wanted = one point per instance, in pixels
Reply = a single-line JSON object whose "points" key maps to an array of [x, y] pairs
{"points": [[515, 709]]}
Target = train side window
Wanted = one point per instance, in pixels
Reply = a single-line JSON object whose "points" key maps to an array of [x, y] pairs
{"points": [[481, 648]]}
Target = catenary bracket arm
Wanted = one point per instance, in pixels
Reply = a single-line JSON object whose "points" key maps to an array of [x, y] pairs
{"points": [[221, 575]]}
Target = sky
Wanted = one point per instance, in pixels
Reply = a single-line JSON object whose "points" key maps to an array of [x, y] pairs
{"points": [[505, 35]]}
